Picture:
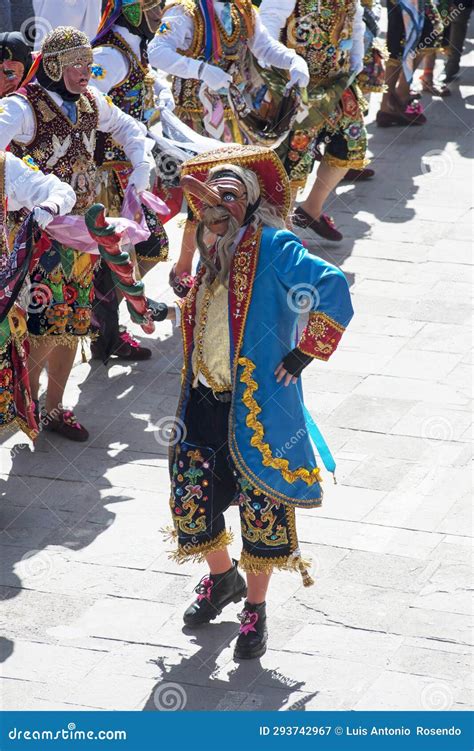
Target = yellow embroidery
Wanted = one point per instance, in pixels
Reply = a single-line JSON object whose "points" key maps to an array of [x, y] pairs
{"points": [[98, 72], [257, 441], [30, 162], [273, 535]]}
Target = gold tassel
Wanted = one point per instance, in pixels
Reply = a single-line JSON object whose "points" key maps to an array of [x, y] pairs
{"points": [[83, 352], [308, 580]]}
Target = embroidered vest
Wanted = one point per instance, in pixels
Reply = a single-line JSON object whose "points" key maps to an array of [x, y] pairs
{"points": [[60, 147], [229, 56], [211, 353], [133, 95], [321, 33]]}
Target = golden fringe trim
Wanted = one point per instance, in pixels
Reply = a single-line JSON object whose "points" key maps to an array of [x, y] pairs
{"points": [[382, 89], [257, 441], [297, 185], [153, 259], [251, 564], [18, 422], [197, 553], [333, 161], [66, 340]]}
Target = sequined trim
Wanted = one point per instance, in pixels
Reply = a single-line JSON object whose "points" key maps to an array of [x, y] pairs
{"points": [[64, 340], [321, 336], [245, 156], [16, 423], [333, 161], [257, 441]]}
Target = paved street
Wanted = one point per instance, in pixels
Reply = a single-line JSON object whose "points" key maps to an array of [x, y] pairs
{"points": [[92, 604]]}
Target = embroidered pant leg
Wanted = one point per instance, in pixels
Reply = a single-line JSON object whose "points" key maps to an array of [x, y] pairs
{"points": [[346, 143], [61, 292], [203, 484], [269, 538]]}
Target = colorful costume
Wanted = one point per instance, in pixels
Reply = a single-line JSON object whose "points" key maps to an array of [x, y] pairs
{"points": [[242, 435], [329, 35], [414, 27], [21, 186], [58, 134], [205, 45], [234, 415], [121, 71], [372, 76]]}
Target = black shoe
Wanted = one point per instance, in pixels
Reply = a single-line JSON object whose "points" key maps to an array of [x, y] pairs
{"points": [[125, 348], [252, 640], [214, 592]]}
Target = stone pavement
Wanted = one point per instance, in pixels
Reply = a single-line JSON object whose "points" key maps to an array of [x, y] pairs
{"points": [[92, 604]]}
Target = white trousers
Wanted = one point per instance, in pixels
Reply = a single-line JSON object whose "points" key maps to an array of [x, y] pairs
{"points": [[83, 14]]}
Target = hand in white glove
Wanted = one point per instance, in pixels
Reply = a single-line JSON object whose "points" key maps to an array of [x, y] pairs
{"points": [[215, 78], [140, 177], [42, 217], [299, 73], [166, 99]]}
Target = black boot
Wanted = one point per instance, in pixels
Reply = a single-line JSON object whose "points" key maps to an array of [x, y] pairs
{"points": [[214, 592], [252, 640]]}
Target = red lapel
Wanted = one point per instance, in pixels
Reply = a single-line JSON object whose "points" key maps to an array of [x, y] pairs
{"points": [[242, 274]]}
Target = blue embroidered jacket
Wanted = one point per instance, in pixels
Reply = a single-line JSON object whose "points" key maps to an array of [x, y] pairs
{"points": [[272, 278]]}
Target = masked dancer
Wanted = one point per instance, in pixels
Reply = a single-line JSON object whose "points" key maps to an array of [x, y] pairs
{"points": [[204, 45], [241, 398], [22, 186], [53, 124], [122, 71], [330, 36]]}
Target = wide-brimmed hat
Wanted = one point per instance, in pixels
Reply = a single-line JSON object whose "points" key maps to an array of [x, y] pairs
{"points": [[271, 175]]}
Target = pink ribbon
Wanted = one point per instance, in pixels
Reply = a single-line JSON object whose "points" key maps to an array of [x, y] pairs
{"points": [[249, 623], [70, 418], [72, 231], [207, 584], [414, 108]]}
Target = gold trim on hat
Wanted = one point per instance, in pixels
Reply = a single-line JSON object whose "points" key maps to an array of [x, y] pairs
{"points": [[65, 46], [249, 157]]}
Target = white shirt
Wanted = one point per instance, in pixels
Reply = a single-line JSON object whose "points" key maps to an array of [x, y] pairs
{"points": [[163, 54], [275, 15], [82, 14], [115, 66], [17, 123], [27, 187]]}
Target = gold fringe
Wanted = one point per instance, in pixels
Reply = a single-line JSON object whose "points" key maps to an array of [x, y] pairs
{"points": [[18, 422], [153, 259], [382, 89], [251, 564], [333, 161], [297, 185], [258, 439], [67, 340], [198, 553]]}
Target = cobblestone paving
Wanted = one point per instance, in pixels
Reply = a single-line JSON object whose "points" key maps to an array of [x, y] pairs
{"points": [[91, 602]]}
